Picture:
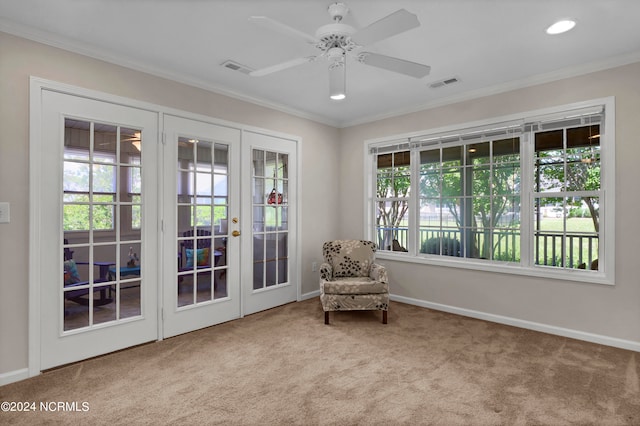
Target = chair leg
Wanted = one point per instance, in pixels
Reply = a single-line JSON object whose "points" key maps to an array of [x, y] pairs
{"points": [[384, 317], [326, 317]]}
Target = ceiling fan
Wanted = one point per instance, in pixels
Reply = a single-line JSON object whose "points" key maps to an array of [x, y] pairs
{"points": [[128, 135], [336, 41]]}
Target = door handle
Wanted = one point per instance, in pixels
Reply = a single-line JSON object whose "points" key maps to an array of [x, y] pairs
{"points": [[236, 233]]}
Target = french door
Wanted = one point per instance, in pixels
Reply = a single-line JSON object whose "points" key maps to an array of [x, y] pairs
{"points": [[201, 280], [221, 261], [98, 233], [139, 237], [269, 226]]}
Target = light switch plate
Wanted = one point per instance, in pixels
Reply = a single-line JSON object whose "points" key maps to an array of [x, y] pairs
{"points": [[5, 213]]}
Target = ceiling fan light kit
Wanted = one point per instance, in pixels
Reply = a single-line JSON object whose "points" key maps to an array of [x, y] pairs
{"points": [[561, 26], [336, 41], [337, 81]]}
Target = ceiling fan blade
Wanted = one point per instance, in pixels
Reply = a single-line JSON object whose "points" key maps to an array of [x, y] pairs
{"points": [[282, 66], [401, 66], [396, 23], [281, 28]]}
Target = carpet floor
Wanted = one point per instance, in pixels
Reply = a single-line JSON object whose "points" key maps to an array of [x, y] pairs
{"points": [[284, 366]]}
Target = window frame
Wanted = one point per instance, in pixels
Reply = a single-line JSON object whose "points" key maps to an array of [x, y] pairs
{"points": [[395, 143]]}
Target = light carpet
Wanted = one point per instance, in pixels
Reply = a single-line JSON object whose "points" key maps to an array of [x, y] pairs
{"points": [[284, 366]]}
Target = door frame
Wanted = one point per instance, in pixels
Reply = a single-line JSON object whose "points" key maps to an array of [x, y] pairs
{"points": [[36, 86]]}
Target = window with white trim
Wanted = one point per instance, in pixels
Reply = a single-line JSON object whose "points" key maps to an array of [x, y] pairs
{"points": [[527, 193]]}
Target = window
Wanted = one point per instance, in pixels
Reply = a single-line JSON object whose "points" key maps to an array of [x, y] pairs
{"points": [[392, 197], [470, 200], [566, 195], [522, 194]]}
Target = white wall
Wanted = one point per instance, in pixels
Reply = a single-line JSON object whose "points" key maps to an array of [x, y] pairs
{"points": [[20, 58], [612, 311]]}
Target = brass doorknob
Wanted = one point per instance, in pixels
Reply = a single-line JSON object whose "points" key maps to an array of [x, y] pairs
{"points": [[236, 233]]}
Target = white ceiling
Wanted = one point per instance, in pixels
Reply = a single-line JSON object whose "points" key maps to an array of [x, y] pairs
{"points": [[490, 45]]}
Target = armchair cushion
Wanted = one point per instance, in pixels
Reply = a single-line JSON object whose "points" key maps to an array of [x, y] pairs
{"points": [[349, 258], [352, 302], [354, 285]]}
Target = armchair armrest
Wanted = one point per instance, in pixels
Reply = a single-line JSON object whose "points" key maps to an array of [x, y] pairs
{"points": [[378, 273], [326, 272]]}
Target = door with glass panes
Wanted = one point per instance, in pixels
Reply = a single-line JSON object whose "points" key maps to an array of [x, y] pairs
{"points": [[269, 226], [98, 252], [201, 225], [121, 219]]}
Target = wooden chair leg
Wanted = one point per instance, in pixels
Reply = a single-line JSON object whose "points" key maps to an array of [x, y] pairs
{"points": [[384, 317], [326, 317]]}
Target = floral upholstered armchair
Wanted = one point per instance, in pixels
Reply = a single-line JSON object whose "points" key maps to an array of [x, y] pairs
{"points": [[350, 280]]}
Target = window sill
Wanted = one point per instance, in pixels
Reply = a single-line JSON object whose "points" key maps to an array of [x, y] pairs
{"points": [[582, 276]]}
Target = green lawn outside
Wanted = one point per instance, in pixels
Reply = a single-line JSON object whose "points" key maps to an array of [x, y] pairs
{"points": [[506, 243], [578, 250], [548, 250]]}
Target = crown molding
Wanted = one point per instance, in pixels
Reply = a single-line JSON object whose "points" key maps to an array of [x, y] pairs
{"points": [[560, 74], [76, 46], [84, 49]]}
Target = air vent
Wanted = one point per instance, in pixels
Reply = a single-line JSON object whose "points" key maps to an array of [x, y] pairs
{"points": [[445, 82], [236, 67]]}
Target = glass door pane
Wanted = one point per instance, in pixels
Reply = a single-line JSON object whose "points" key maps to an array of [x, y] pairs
{"points": [[269, 228], [270, 218], [102, 222], [202, 207]]}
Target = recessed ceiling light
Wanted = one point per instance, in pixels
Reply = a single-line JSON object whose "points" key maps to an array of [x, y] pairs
{"points": [[561, 27]]}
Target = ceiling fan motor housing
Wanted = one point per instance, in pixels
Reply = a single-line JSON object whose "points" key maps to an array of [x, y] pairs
{"points": [[335, 35]]}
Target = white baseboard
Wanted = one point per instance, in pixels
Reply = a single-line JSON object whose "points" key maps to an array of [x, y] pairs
{"points": [[310, 295], [529, 325], [14, 376]]}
